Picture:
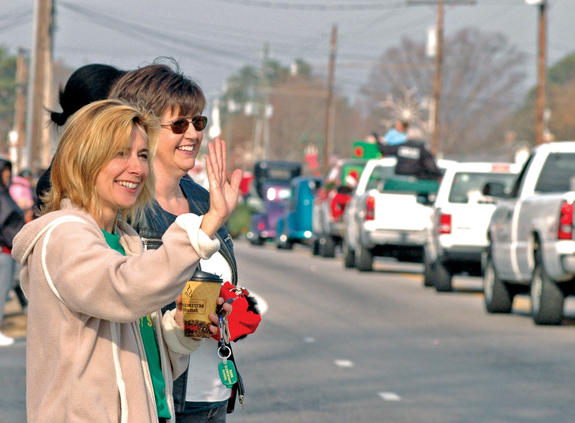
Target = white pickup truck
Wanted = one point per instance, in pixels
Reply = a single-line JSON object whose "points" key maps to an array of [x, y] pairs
{"points": [[531, 236], [387, 215], [457, 237]]}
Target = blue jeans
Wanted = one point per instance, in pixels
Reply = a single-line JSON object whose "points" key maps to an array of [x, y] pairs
{"points": [[7, 264], [212, 415]]}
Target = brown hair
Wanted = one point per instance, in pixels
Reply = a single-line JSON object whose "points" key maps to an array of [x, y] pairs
{"points": [[94, 135], [157, 88]]}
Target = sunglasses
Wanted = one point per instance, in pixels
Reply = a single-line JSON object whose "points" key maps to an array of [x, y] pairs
{"points": [[181, 125]]}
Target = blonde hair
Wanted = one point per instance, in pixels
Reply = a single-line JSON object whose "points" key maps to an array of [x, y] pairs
{"points": [[94, 135]]}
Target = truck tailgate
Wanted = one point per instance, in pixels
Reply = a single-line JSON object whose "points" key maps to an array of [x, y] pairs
{"points": [[469, 223], [400, 212]]}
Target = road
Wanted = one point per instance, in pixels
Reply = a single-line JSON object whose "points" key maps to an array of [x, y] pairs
{"points": [[337, 345], [342, 346]]}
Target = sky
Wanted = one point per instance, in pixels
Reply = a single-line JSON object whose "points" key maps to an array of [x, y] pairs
{"points": [[212, 39]]}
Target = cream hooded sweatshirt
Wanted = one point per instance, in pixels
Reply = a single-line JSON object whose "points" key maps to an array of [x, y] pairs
{"points": [[85, 356]]}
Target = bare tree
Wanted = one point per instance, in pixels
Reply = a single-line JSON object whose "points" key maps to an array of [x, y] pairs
{"points": [[481, 82], [561, 103], [298, 120], [560, 122]]}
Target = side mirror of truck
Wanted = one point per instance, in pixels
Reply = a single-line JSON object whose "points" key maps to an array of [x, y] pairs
{"points": [[494, 189]]}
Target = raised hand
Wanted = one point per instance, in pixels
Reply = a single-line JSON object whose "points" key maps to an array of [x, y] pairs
{"points": [[224, 193]]}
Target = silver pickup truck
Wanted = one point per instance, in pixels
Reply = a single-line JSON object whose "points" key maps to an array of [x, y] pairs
{"points": [[531, 236]]}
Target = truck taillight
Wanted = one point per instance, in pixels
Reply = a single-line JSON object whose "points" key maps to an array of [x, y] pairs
{"points": [[445, 223], [261, 226], [369, 208], [565, 230]]}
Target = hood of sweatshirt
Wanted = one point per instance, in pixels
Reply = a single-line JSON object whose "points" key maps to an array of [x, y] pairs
{"points": [[32, 232]]}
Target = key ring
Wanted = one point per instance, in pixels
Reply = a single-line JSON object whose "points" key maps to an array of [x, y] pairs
{"points": [[220, 354]]}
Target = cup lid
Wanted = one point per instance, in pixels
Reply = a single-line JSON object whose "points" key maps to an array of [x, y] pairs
{"points": [[201, 276]]}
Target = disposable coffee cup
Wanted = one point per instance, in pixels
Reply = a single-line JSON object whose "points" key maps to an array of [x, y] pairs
{"points": [[199, 299]]}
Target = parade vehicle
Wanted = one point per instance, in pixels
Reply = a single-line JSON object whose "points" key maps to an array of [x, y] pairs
{"points": [[531, 236], [274, 172], [329, 205], [263, 223], [457, 236], [295, 225], [270, 193], [388, 215]]}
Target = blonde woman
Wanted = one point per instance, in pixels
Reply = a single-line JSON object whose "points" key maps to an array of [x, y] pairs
{"points": [[98, 349]]}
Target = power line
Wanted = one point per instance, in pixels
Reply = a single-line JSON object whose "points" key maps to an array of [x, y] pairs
{"points": [[139, 31], [322, 7], [385, 16], [15, 18], [226, 30], [16, 23], [15, 14], [415, 23]]}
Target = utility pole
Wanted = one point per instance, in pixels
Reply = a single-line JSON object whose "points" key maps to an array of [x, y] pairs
{"points": [[438, 80], [19, 127], [261, 129], [37, 132], [330, 106], [266, 108], [541, 74]]}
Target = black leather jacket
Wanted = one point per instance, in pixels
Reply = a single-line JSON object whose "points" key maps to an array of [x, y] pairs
{"points": [[151, 230], [413, 158], [157, 221]]}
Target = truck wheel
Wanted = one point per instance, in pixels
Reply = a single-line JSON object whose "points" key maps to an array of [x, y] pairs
{"points": [[283, 244], [257, 241], [546, 297], [279, 244], [315, 247], [441, 277], [348, 256], [497, 296], [427, 270], [364, 260], [327, 247]]}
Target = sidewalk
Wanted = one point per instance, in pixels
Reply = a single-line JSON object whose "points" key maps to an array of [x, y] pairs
{"points": [[14, 323]]}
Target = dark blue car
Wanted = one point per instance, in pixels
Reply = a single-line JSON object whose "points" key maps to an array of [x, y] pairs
{"points": [[273, 205]]}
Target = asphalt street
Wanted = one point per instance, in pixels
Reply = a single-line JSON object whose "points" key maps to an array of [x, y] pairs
{"points": [[342, 346], [337, 345]]}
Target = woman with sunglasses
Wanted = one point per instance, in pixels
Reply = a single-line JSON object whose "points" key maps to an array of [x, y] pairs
{"points": [[98, 347], [178, 102]]}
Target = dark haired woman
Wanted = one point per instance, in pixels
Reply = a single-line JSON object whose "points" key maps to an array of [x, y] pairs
{"points": [[85, 85]]}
